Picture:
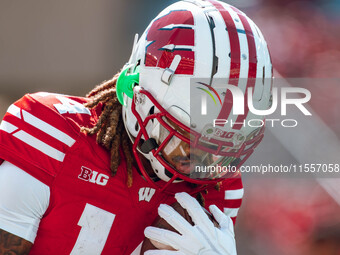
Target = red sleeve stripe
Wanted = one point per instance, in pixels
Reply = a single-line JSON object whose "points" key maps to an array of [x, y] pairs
{"points": [[234, 194], [234, 203]]}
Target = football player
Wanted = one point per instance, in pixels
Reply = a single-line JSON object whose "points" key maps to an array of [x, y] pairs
{"points": [[87, 175]]}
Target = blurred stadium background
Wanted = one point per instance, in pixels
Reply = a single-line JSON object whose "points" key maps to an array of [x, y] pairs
{"points": [[69, 46]]}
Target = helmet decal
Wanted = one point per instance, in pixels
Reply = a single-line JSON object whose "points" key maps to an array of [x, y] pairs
{"points": [[170, 35]]}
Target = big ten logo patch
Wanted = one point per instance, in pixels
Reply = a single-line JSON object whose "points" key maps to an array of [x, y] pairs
{"points": [[170, 35], [92, 176]]}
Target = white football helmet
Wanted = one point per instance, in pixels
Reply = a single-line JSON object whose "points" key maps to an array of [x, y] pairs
{"points": [[192, 50]]}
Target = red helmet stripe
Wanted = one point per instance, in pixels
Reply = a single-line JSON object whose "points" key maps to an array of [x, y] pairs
{"points": [[235, 56], [252, 65]]}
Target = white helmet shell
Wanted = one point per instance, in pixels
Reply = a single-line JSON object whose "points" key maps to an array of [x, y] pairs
{"points": [[203, 40]]}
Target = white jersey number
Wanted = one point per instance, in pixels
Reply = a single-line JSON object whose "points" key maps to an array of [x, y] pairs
{"points": [[70, 106], [95, 225]]}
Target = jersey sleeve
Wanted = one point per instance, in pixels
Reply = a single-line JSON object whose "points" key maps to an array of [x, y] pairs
{"points": [[228, 199], [23, 202], [36, 137]]}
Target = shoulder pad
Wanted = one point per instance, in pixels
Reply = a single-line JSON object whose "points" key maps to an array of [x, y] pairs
{"points": [[39, 129]]}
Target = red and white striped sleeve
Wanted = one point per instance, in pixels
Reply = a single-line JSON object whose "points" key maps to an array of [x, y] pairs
{"points": [[228, 199], [35, 137]]}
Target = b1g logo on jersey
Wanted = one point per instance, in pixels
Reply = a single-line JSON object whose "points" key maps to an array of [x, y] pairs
{"points": [[92, 176], [170, 35]]}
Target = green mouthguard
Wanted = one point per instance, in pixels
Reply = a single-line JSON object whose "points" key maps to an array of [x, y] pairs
{"points": [[126, 82]]}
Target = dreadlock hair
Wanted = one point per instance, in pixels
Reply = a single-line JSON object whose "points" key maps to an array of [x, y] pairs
{"points": [[109, 129]]}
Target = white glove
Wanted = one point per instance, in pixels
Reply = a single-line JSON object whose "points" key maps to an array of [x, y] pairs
{"points": [[201, 239]]}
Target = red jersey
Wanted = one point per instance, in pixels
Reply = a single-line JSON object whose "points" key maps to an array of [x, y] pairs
{"points": [[90, 211]]}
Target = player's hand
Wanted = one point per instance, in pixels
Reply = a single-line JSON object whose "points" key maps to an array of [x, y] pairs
{"points": [[201, 239]]}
